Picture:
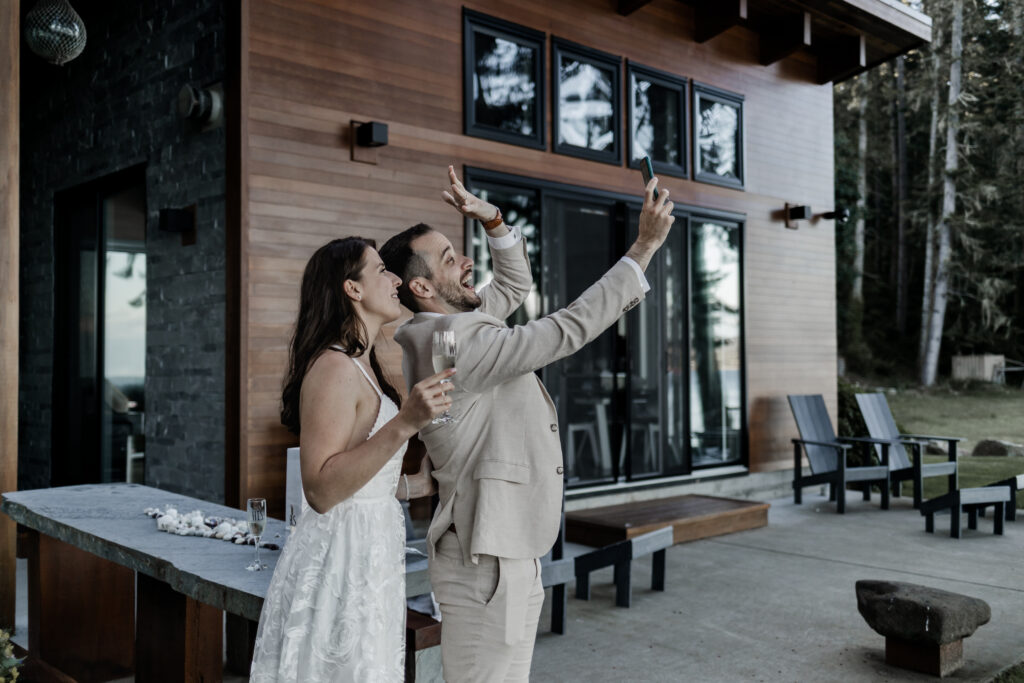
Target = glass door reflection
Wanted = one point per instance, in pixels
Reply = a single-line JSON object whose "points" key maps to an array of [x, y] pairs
{"points": [[716, 372]]}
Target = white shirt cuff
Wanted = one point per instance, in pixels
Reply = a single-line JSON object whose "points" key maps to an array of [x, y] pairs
{"points": [[514, 236], [639, 273]]}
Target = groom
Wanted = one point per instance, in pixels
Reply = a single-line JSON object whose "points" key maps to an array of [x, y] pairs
{"points": [[499, 467]]}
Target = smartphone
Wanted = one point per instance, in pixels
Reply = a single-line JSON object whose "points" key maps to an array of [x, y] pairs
{"points": [[647, 170]]}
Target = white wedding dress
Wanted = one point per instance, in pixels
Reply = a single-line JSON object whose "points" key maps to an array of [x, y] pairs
{"points": [[335, 609]]}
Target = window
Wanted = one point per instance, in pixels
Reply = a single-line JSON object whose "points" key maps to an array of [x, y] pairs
{"points": [[717, 136], [586, 102], [503, 83], [657, 119]]}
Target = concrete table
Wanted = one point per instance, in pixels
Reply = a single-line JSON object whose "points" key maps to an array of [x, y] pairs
{"points": [[91, 618]]}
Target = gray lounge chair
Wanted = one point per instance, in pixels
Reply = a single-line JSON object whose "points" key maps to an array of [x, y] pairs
{"points": [[886, 435], [826, 455]]}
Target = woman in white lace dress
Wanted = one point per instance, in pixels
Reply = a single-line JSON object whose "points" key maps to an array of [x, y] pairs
{"points": [[335, 609]]}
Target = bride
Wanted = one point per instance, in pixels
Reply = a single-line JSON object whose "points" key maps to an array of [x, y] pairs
{"points": [[335, 609]]}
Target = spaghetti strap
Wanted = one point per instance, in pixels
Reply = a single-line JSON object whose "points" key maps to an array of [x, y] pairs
{"points": [[373, 384]]}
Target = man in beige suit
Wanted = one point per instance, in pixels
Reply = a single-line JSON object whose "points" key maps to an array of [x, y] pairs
{"points": [[499, 467]]}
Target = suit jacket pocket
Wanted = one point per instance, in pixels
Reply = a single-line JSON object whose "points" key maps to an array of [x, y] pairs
{"points": [[504, 470]]}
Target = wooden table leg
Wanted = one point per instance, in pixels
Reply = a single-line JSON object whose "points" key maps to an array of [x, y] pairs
{"points": [[241, 640], [81, 610], [178, 638]]}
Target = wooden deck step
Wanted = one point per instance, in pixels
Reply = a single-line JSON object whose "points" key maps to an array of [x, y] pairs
{"points": [[691, 517]]}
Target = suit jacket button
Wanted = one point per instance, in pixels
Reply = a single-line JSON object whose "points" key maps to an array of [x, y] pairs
{"points": [[559, 470], [554, 428]]}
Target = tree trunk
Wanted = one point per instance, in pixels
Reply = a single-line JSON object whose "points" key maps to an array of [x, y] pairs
{"points": [[928, 295], [857, 293], [901, 198], [936, 319]]}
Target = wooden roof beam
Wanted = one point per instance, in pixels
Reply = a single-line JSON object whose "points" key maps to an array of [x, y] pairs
{"points": [[783, 38], [842, 58], [627, 7], [713, 17]]}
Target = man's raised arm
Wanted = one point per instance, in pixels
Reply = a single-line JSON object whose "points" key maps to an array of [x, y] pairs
{"points": [[511, 267]]}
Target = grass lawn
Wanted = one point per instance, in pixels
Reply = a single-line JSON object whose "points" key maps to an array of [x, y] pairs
{"points": [[977, 412]]}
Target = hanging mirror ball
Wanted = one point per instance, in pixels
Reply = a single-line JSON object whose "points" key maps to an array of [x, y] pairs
{"points": [[54, 31]]}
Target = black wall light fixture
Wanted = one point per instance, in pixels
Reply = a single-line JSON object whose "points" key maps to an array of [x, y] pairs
{"points": [[796, 212], [372, 134]]}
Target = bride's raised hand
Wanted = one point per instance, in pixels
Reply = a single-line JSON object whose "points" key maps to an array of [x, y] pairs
{"points": [[427, 399], [466, 202]]}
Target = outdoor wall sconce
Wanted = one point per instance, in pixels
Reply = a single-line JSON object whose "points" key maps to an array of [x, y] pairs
{"points": [[365, 138], [372, 134], [840, 215], [794, 213], [181, 221], [203, 105]]}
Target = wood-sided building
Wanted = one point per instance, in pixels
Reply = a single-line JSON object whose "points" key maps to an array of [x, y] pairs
{"points": [[545, 108], [202, 226]]}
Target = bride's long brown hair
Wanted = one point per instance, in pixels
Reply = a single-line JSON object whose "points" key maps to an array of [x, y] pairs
{"points": [[327, 317]]}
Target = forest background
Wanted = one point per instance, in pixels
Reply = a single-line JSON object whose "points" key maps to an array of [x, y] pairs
{"points": [[930, 163]]}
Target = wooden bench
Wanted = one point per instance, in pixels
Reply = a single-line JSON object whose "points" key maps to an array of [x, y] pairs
{"points": [[422, 632], [970, 501], [624, 532]]}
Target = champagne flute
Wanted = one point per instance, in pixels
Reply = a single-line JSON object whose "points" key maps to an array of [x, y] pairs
{"points": [[257, 509], [443, 357]]}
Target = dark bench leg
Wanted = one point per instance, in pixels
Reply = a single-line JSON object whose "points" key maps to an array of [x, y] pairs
{"points": [[954, 518], [558, 607], [867, 492], [929, 523], [583, 586], [658, 570], [997, 519], [623, 586], [972, 518]]}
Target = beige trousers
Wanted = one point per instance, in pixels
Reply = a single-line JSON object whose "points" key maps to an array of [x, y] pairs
{"points": [[489, 614]]}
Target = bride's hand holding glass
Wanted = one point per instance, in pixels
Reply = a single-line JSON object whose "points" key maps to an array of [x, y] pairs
{"points": [[427, 399]]}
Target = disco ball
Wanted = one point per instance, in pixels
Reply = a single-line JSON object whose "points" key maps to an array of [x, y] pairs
{"points": [[54, 31]]}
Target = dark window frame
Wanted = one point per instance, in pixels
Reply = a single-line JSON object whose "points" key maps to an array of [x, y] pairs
{"points": [[672, 82], [559, 47], [522, 35], [690, 215], [708, 92]]}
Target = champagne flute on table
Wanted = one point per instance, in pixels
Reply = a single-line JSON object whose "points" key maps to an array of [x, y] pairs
{"points": [[257, 509], [443, 356]]}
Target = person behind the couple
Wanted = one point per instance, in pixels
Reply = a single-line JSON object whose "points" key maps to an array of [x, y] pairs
{"points": [[335, 608]]}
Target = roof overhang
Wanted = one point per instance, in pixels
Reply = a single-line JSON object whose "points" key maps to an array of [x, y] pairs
{"points": [[846, 36]]}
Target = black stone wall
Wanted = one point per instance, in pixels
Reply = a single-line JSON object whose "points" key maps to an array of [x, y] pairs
{"points": [[112, 108]]}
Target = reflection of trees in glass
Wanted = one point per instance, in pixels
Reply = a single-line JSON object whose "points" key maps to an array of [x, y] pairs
{"points": [[503, 84], [585, 109], [521, 209], [714, 311], [655, 121], [719, 127]]}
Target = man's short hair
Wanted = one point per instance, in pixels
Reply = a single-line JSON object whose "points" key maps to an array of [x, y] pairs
{"points": [[401, 259]]}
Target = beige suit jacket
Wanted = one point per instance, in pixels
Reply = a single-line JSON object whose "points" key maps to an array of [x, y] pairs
{"points": [[499, 468]]}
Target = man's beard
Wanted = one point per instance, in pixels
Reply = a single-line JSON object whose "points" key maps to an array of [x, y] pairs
{"points": [[458, 297]]}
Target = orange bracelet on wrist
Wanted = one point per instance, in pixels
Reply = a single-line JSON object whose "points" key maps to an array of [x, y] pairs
{"points": [[493, 223]]}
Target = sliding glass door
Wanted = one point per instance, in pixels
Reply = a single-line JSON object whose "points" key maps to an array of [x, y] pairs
{"points": [[660, 393]]}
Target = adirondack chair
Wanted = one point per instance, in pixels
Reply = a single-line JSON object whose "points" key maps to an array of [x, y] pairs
{"points": [[826, 455], [885, 435]]}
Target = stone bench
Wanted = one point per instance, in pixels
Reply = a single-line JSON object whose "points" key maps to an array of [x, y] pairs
{"points": [[970, 501], [924, 627]]}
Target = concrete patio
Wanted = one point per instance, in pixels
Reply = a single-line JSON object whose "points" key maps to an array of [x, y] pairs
{"points": [[778, 603]]}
